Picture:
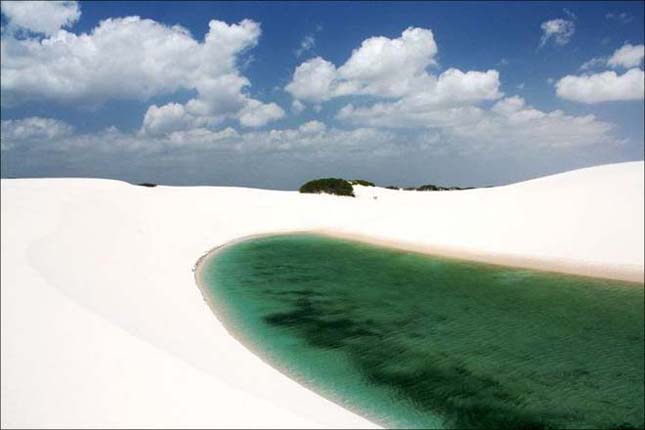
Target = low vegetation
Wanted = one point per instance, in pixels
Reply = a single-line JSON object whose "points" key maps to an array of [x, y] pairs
{"points": [[344, 187], [336, 186], [147, 184], [362, 182], [431, 187]]}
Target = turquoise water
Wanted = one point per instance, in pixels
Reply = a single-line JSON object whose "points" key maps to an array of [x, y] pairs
{"points": [[408, 340]]}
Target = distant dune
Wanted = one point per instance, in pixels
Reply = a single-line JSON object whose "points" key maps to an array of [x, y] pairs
{"points": [[103, 325]]}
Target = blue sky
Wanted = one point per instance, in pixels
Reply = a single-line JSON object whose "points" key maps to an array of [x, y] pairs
{"points": [[474, 93]]}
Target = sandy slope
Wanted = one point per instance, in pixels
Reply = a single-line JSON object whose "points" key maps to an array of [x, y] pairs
{"points": [[102, 324]]}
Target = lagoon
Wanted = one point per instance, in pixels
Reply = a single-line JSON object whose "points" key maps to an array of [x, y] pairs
{"points": [[410, 340]]}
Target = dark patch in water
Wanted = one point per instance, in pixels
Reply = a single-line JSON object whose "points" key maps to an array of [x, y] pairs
{"points": [[464, 399]]}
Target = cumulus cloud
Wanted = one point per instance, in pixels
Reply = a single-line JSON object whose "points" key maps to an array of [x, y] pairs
{"points": [[33, 130], [257, 114], [312, 81], [312, 127], [627, 56], [169, 118], [391, 68], [602, 87], [297, 107], [134, 58], [383, 66], [380, 66], [40, 17], [558, 30]]}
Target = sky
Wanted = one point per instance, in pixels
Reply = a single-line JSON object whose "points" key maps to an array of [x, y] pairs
{"points": [[272, 94]]}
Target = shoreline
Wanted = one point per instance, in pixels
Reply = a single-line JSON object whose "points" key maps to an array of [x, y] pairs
{"points": [[220, 313], [590, 270]]}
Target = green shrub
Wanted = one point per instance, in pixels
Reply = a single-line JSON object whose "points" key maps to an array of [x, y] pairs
{"points": [[430, 187], [337, 186], [362, 182]]}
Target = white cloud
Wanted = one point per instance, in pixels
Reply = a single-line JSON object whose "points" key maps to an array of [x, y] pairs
{"points": [[594, 63], [450, 99], [508, 122], [315, 139], [627, 56], [123, 58], [380, 66], [558, 30], [392, 68], [312, 80], [602, 87], [389, 67], [201, 137], [41, 17], [312, 127], [512, 123], [451, 107], [134, 58], [307, 44], [33, 130], [455, 86], [622, 17], [311, 138], [169, 118], [257, 114], [402, 114], [450, 104], [297, 107]]}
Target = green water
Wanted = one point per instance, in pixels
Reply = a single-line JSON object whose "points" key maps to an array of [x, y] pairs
{"points": [[407, 340]]}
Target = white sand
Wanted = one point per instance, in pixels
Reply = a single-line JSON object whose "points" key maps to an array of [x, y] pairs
{"points": [[102, 324]]}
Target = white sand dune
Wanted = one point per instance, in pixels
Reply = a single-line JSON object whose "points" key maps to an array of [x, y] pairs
{"points": [[103, 325]]}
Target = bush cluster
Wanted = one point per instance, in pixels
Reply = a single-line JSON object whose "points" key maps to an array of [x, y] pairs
{"points": [[336, 186]]}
